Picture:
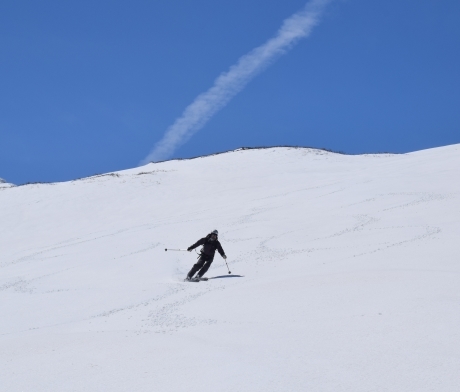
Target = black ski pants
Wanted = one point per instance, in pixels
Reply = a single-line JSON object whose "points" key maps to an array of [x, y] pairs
{"points": [[202, 265]]}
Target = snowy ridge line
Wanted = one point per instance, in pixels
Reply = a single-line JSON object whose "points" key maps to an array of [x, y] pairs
{"points": [[94, 176], [4, 184], [320, 149], [323, 150]]}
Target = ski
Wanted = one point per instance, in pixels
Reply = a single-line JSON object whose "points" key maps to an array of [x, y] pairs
{"points": [[195, 279]]}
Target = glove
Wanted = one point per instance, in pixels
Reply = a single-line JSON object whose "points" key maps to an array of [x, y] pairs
{"points": [[225, 257], [189, 249]]}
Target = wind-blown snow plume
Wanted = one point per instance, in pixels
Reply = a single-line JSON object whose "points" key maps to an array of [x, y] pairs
{"points": [[230, 83]]}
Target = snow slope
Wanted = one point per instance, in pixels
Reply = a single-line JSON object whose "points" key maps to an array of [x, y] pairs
{"points": [[345, 276]]}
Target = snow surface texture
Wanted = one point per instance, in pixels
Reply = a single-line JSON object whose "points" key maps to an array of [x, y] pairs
{"points": [[345, 276]]}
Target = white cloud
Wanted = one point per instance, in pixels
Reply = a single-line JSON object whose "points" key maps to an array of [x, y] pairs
{"points": [[230, 83]]}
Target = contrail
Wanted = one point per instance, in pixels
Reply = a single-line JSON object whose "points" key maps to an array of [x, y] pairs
{"points": [[230, 83]]}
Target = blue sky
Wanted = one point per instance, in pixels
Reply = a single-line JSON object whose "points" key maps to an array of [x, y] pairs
{"points": [[90, 86]]}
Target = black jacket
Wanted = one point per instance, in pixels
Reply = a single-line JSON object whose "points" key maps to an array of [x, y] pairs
{"points": [[209, 247]]}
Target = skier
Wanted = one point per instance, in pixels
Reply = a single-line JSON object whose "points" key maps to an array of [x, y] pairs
{"points": [[210, 244]]}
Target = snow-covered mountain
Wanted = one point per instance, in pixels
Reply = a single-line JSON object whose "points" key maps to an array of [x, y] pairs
{"points": [[345, 276], [4, 184]]}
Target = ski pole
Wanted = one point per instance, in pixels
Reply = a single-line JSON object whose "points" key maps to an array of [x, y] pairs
{"points": [[229, 272], [177, 250]]}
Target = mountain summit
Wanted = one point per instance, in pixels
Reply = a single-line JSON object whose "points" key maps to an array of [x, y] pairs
{"points": [[4, 184]]}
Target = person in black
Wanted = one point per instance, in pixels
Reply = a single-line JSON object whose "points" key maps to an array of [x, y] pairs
{"points": [[210, 245]]}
